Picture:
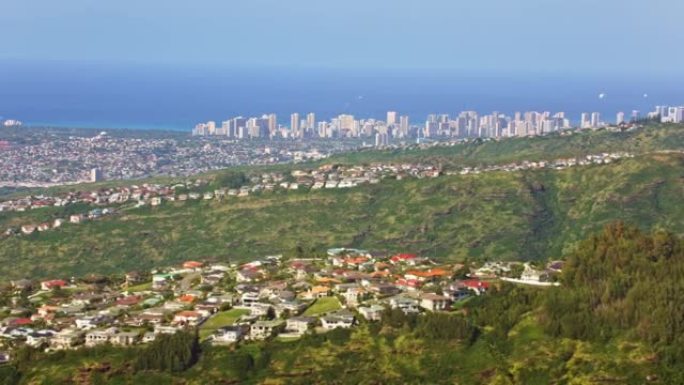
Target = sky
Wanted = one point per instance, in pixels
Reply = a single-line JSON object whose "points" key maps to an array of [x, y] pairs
{"points": [[579, 36]]}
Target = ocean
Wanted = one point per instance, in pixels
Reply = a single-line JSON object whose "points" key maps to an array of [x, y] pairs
{"points": [[144, 97]]}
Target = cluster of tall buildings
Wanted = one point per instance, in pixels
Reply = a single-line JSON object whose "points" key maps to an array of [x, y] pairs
{"points": [[301, 127], [668, 114], [467, 124]]}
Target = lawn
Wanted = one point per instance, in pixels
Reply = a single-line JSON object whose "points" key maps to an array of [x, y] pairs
{"points": [[141, 287], [221, 319], [323, 305]]}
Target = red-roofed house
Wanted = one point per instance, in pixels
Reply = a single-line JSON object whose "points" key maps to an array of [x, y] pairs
{"points": [[403, 258], [408, 284], [131, 300], [15, 322], [479, 287], [49, 285]]}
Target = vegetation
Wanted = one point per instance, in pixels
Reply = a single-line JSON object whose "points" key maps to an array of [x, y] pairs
{"points": [[323, 305], [171, 353], [655, 137], [224, 318], [616, 319], [529, 215]]}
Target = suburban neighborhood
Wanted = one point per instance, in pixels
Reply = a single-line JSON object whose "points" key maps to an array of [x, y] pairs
{"points": [[108, 201], [272, 297]]}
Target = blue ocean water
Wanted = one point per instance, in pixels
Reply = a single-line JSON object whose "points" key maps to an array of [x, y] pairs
{"points": [[90, 95]]}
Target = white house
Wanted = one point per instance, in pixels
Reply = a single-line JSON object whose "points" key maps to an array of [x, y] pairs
{"points": [[227, 335], [261, 330], [340, 319], [299, 325]]}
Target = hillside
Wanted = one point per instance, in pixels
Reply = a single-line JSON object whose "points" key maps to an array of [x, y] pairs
{"points": [[616, 320], [657, 137], [494, 215]]}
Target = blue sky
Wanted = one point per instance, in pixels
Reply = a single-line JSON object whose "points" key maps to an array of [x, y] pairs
{"points": [[583, 36]]}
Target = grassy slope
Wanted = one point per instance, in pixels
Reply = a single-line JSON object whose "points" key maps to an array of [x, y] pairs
{"points": [[653, 138], [219, 320], [532, 214], [531, 359], [323, 305]]}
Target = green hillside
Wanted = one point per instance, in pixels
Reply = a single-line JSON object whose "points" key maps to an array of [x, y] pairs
{"points": [[658, 137], [616, 320], [495, 215]]}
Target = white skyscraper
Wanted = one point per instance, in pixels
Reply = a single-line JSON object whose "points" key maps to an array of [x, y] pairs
{"points": [[391, 118], [584, 121], [595, 119], [404, 126], [620, 118], [310, 121], [95, 175], [294, 125]]}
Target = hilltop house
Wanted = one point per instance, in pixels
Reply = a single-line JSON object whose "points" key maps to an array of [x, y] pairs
{"points": [[67, 339], [339, 319], [434, 302], [52, 284], [227, 335], [299, 325], [372, 313], [261, 330]]}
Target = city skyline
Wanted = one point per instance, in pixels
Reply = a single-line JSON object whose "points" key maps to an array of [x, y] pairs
{"points": [[466, 124]]}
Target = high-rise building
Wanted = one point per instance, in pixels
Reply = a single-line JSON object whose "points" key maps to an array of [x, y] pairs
{"points": [[95, 175], [211, 127], [679, 115], [225, 128], [404, 126], [310, 121], [294, 125], [272, 125], [595, 120], [584, 121], [620, 118], [347, 123], [391, 118]]}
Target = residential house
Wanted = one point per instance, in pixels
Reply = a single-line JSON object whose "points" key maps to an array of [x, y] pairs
{"points": [[124, 338], [371, 313], [317, 292], [261, 330], [67, 339], [28, 229], [189, 317], [299, 325], [477, 286], [338, 319], [434, 302], [92, 321], [39, 338], [405, 304], [52, 284], [99, 337], [227, 335]]}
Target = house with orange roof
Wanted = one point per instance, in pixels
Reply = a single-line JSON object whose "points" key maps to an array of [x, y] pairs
{"points": [[427, 275], [187, 298], [317, 292], [327, 280], [193, 265]]}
